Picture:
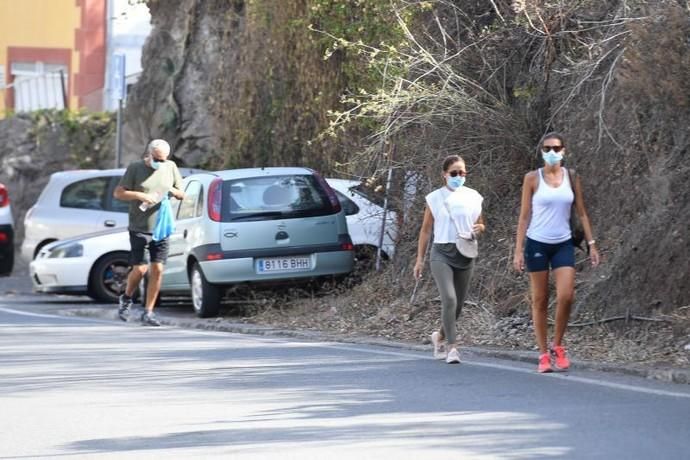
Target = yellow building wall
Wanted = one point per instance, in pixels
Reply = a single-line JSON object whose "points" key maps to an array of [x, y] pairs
{"points": [[42, 24]]}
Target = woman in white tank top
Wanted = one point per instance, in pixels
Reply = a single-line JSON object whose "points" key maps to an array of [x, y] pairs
{"points": [[547, 198]]}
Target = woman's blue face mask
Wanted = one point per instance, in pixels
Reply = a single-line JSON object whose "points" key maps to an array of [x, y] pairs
{"points": [[552, 158], [456, 182]]}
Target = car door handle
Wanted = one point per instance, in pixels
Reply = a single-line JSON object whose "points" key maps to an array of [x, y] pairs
{"points": [[109, 223], [184, 234]]}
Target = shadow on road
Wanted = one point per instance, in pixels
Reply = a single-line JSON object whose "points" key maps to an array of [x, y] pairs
{"points": [[279, 393]]}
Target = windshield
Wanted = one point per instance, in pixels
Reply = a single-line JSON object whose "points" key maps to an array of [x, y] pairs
{"points": [[275, 197]]}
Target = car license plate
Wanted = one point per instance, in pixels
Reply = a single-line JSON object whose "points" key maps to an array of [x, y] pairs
{"points": [[283, 264]]}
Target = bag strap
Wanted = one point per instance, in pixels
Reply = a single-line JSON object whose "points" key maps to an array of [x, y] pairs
{"points": [[457, 227], [571, 174]]}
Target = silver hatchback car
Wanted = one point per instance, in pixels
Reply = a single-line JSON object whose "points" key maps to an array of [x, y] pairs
{"points": [[257, 225]]}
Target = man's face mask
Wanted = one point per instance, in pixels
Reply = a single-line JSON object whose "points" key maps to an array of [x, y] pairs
{"points": [[155, 163]]}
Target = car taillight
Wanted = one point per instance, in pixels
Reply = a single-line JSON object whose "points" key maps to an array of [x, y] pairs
{"points": [[4, 197], [3, 237], [332, 197], [346, 242], [215, 195]]}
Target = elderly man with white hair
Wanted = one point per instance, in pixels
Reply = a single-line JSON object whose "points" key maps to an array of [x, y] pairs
{"points": [[145, 184]]}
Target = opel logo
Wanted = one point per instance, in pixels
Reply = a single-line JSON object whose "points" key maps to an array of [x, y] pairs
{"points": [[230, 234]]}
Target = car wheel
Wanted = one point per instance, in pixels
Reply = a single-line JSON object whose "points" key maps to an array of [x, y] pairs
{"points": [[205, 296], [7, 263], [109, 277]]}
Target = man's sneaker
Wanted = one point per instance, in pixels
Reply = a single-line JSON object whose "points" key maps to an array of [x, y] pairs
{"points": [[125, 305], [149, 319], [453, 356], [560, 358], [544, 363], [439, 348]]}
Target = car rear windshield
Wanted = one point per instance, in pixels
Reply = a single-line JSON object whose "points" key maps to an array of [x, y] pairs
{"points": [[274, 197]]}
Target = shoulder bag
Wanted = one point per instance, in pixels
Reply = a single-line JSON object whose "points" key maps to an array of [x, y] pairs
{"points": [[576, 227]]}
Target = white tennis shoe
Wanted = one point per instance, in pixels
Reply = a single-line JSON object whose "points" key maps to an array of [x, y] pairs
{"points": [[439, 348]]}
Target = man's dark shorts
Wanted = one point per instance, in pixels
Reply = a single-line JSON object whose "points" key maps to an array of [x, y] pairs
{"points": [[139, 241], [538, 256]]}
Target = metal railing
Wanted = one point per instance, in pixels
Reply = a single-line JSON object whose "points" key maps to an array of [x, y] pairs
{"points": [[36, 92]]}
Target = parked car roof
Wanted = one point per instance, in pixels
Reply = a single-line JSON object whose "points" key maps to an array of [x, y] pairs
{"points": [[85, 173], [243, 173]]}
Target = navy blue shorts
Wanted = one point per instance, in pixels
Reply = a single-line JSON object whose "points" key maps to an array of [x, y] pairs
{"points": [[142, 241], [538, 256]]}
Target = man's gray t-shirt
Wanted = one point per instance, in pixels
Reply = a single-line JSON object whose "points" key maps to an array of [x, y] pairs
{"points": [[141, 178]]}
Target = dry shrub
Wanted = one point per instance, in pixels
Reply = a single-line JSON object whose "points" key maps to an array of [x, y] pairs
{"points": [[657, 62]]}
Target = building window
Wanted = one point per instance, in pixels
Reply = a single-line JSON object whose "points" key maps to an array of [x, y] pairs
{"points": [[38, 85]]}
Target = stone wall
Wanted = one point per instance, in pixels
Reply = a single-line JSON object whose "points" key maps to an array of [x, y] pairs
{"points": [[33, 146]]}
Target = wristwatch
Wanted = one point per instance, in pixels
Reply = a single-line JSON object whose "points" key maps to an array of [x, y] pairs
{"points": [[591, 242]]}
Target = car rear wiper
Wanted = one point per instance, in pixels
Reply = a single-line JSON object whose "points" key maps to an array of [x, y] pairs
{"points": [[255, 215]]}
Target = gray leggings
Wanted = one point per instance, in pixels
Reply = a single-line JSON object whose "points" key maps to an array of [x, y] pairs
{"points": [[452, 284]]}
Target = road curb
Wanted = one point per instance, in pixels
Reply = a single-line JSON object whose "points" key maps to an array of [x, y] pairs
{"points": [[667, 374]]}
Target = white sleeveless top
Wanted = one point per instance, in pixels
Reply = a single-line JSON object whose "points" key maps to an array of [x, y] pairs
{"points": [[465, 205], [551, 207]]}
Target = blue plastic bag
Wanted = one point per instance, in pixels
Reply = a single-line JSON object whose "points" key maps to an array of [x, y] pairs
{"points": [[165, 224]]}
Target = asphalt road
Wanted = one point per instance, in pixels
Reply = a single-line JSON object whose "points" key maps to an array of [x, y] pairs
{"points": [[92, 388]]}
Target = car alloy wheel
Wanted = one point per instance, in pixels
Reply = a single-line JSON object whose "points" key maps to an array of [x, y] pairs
{"points": [[109, 277], [197, 292], [205, 296]]}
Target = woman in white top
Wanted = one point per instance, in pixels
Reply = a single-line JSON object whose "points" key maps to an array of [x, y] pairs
{"points": [[547, 199], [451, 270]]}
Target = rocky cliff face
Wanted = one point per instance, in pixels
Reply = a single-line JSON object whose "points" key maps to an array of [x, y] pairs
{"points": [[192, 44], [232, 83]]}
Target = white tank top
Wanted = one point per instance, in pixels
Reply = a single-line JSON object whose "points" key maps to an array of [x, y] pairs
{"points": [[466, 206], [550, 221]]}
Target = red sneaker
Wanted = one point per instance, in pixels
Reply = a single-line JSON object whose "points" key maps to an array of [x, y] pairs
{"points": [[544, 363], [560, 358]]}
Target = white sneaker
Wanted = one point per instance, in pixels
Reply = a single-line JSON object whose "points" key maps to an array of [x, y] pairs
{"points": [[439, 348], [453, 356]]}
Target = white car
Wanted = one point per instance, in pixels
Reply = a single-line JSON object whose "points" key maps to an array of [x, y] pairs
{"points": [[75, 203], [96, 264], [6, 233], [365, 219]]}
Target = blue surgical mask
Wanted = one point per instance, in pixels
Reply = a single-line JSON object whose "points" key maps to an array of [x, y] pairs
{"points": [[155, 164], [552, 158], [456, 182]]}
